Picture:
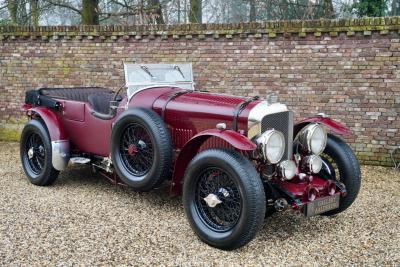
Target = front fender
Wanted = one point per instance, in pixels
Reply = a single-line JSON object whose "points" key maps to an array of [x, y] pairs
{"points": [[58, 136], [333, 125], [192, 147]]}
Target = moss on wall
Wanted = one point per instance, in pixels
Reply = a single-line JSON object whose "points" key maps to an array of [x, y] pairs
{"points": [[268, 28]]}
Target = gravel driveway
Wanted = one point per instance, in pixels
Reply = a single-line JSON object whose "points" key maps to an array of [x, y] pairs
{"points": [[84, 220]]}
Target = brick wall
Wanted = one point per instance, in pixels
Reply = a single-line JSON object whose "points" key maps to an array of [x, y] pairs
{"points": [[349, 69]]}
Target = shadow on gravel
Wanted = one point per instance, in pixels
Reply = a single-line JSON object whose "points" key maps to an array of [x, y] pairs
{"points": [[279, 225], [82, 176]]}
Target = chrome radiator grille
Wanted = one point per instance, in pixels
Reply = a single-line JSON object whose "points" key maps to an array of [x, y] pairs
{"points": [[283, 122]]}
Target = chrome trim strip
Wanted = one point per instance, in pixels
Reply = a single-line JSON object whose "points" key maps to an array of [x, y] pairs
{"points": [[60, 154], [259, 111]]}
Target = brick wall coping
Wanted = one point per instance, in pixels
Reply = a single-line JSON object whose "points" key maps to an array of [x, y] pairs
{"points": [[271, 29]]}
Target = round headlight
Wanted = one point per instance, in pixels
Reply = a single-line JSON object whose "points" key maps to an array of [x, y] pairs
{"points": [[272, 145], [312, 163], [313, 138], [288, 169]]}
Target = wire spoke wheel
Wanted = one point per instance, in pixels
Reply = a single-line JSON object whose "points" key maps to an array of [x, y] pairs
{"points": [[224, 198], [225, 215], [35, 153], [141, 149], [136, 151]]}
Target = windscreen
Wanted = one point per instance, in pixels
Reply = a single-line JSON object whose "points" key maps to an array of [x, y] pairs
{"points": [[139, 76]]}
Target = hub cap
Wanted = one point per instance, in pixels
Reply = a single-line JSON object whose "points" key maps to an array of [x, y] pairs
{"points": [[136, 150], [218, 200], [212, 200]]}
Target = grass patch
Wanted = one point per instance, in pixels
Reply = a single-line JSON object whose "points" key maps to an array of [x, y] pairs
{"points": [[10, 134]]}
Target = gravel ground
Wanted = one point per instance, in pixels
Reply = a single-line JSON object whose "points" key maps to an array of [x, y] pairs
{"points": [[84, 220]]}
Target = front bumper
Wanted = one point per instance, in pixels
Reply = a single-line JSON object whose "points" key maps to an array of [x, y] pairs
{"points": [[301, 192]]}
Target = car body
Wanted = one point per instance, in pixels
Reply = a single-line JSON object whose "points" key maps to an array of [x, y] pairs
{"points": [[281, 163]]}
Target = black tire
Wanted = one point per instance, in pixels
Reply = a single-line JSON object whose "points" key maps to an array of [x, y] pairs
{"points": [[37, 164], [344, 166], [245, 185], [150, 164]]}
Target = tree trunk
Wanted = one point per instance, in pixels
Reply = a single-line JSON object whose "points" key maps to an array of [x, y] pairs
{"points": [[252, 10], [90, 12], [179, 11], [398, 8], [195, 12], [156, 11], [34, 12], [328, 11], [12, 6], [395, 7], [185, 11]]}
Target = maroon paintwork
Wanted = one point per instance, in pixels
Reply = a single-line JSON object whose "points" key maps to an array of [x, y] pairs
{"points": [[191, 117], [52, 120], [191, 148], [334, 126]]}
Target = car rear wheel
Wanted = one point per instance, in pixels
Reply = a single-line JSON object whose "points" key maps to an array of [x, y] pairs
{"points": [[35, 153], [141, 149], [223, 198], [340, 163]]}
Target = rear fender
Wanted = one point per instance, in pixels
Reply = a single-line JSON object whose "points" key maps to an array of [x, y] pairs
{"points": [[58, 137], [192, 147], [333, 125]]}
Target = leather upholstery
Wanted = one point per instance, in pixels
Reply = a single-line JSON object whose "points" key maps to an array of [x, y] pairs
{"points": [[99, 98], [100, 102], [76, 93]]}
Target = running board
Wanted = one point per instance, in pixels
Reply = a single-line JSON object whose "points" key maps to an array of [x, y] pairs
{"points": [[79, 160]]}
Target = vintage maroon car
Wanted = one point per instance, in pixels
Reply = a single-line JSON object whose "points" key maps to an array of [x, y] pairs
{"points": [[234, 159]]}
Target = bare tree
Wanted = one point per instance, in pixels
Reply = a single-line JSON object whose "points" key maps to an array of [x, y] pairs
{"points": [[12, 10], [327, 9], [155, 11], [35, 12], [252, 16], [195, 12], [90, 12], [395, 7]]}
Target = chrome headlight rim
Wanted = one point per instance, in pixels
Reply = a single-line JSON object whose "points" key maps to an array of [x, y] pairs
{"points": [[263, 140], [312, 163], [306, 138], [285, 167]]}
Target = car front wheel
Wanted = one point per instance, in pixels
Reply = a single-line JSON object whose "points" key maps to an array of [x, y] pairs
{"points": [[340, 164], [223, 198]]}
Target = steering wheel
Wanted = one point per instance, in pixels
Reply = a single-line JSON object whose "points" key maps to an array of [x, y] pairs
{"points": [[117, 93]]}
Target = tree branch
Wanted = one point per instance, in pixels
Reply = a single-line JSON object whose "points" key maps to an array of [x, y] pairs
{"points": [[3, 7], [60, 4]]}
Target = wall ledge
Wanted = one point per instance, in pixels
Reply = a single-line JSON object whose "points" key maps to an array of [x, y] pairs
{"points": [[268, 29]]}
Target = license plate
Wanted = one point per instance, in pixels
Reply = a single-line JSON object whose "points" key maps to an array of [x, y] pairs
{"points": [[322, 205]]}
